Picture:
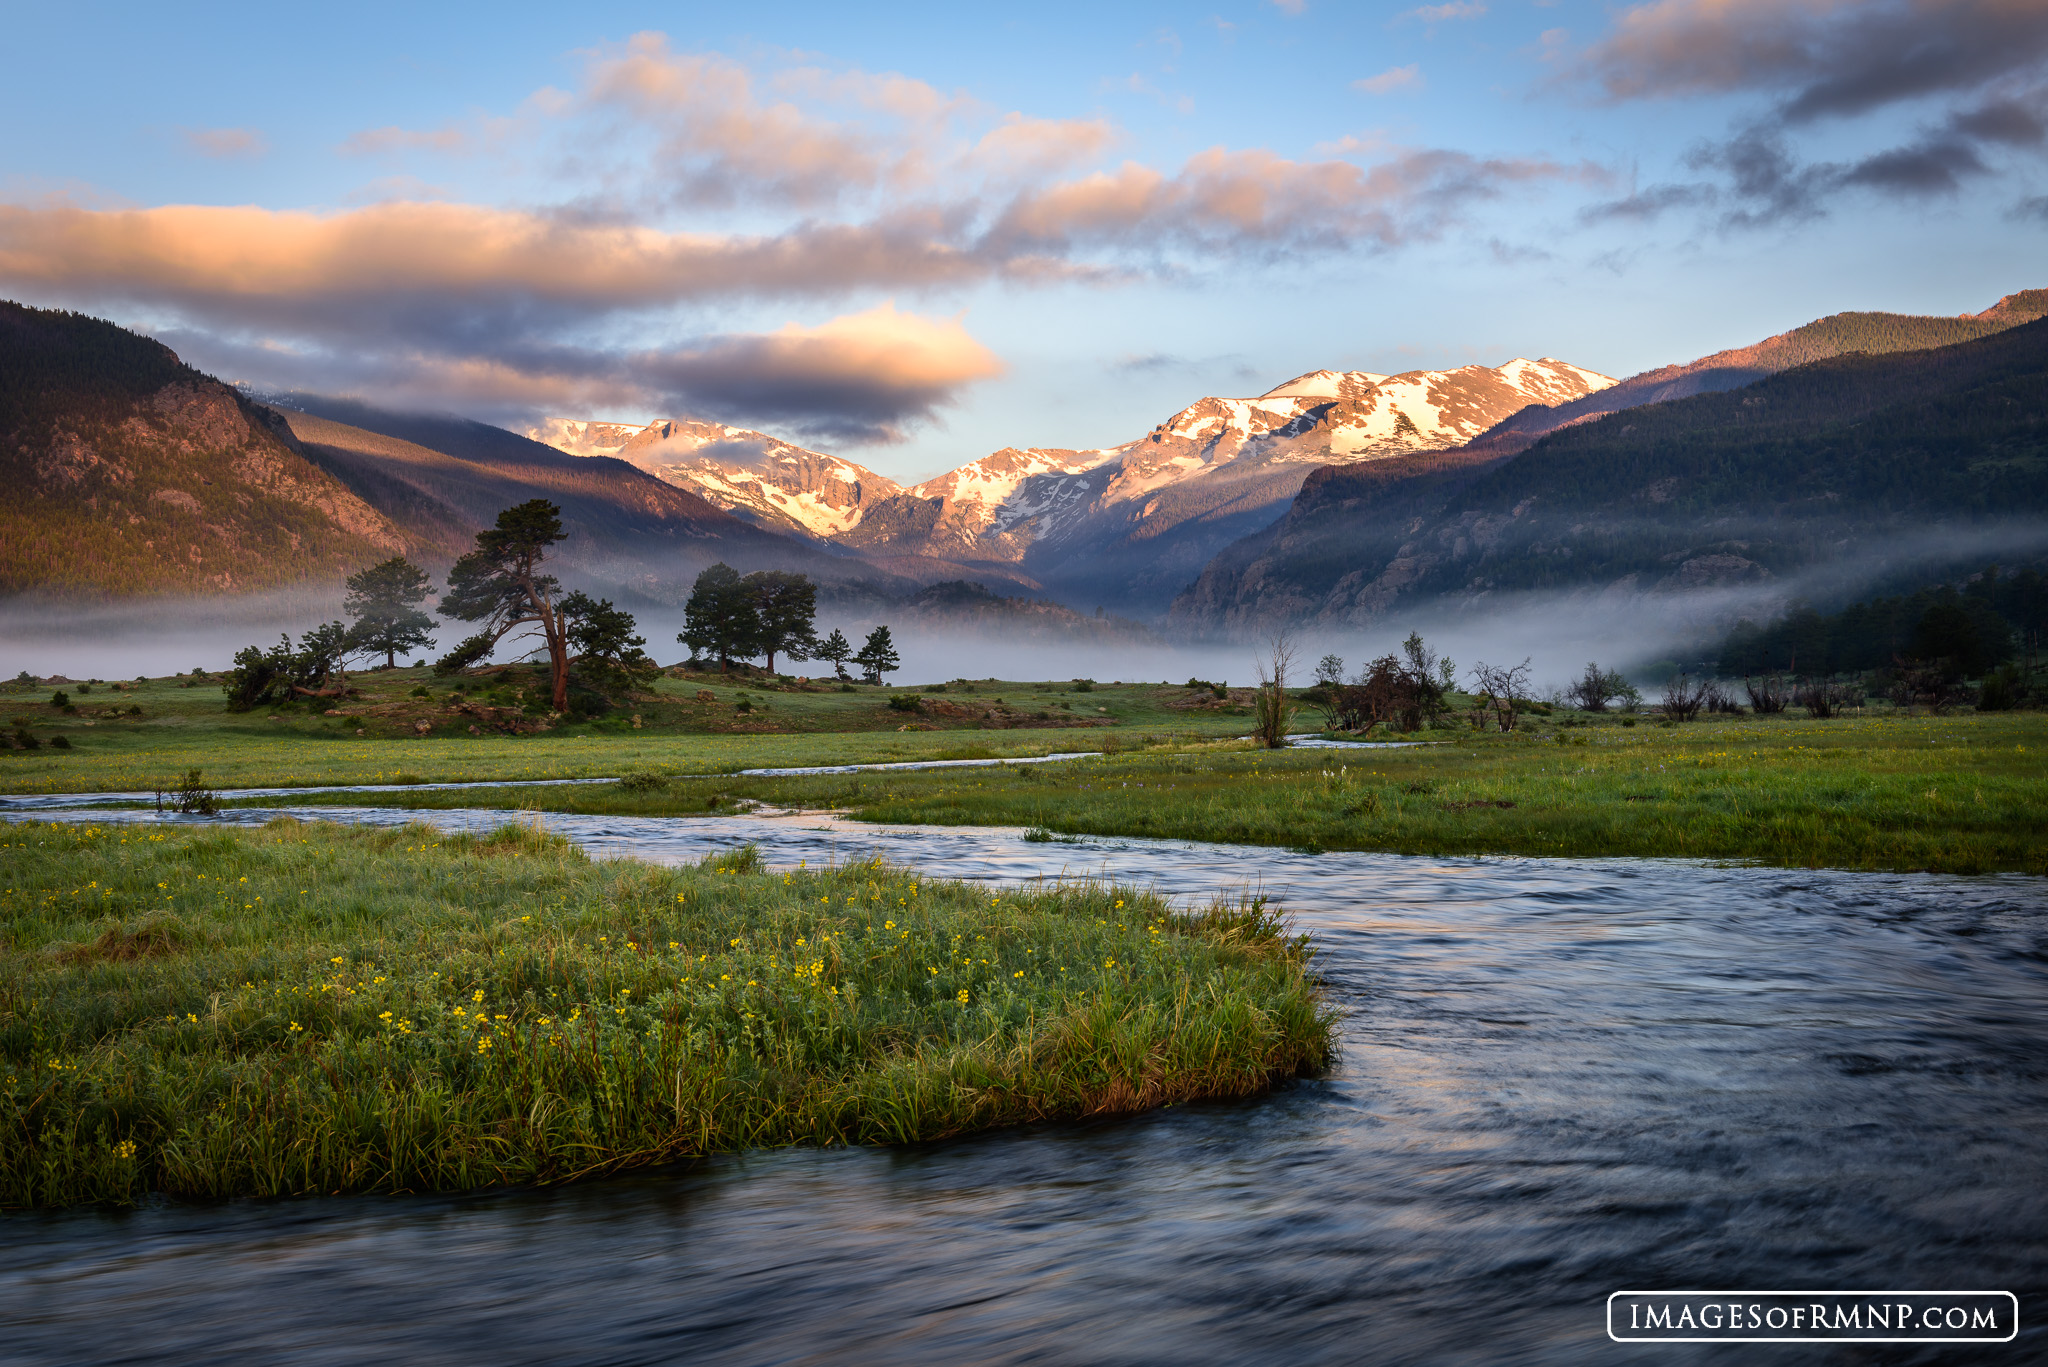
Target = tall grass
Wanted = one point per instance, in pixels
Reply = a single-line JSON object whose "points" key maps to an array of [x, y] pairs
{"points": [[308, 1009]]}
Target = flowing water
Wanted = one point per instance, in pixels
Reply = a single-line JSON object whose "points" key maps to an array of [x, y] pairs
{"points": [[1559, 1079]]}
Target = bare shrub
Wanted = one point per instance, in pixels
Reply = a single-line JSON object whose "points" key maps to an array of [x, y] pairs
{"points": [[1824, 698], [1684, 696], [1767, 694], [1274, 714], [1498, 688], [1597, 687], [1720, 699]]}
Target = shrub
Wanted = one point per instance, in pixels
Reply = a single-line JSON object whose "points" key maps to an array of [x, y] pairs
{"points": [[904, 702], [1084, 685], [60, 699], [189, 795], [2001, 690]]}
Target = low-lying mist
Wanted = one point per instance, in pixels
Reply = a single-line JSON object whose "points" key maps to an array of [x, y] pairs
{"points": [[172, 637], [1620, 626]]}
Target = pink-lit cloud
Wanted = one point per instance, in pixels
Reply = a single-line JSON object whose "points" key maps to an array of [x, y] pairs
{"points": [[1392, 79], [852, 186], [225, 143]]}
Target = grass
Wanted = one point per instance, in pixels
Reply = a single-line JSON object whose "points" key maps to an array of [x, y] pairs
{"points": [[305, 1008], [115, 748], [1958, 794], [1883, 790], [1952, 794]]}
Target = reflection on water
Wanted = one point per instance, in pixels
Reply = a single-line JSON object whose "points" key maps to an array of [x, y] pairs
{"points": [[1559, 1079]]}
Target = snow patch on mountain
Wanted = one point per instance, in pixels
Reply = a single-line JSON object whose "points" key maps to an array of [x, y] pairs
{"points": [[583, 437], [761, 478]]}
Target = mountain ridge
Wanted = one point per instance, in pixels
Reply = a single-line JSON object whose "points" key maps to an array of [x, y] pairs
{"points": [[1833, 335], [1855, 456], [1123, 525]]}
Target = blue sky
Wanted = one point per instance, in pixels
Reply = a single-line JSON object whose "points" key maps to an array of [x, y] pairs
{"points": [[920, 235]]}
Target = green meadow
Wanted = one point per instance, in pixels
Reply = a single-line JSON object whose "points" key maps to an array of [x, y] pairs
{"points": [[1957, 794], [304, 1008], [308, 1008], [138, 735], [1880, 789]]}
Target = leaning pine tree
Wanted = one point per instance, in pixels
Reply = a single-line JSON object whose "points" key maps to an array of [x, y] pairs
{"points": [[500, 584]]}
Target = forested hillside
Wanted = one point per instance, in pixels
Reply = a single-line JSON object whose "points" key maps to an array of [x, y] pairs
{"points": [[1837, 334], [1879, 456], [131, 474], [1992, 616]]}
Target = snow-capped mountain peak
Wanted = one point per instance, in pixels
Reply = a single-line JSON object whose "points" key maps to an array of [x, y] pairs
{"points": [[1325, 384], [758, 477]]}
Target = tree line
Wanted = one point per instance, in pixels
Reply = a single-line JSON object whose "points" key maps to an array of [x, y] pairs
{"points": [[502, 586], [1967, 631], [770, 613]]}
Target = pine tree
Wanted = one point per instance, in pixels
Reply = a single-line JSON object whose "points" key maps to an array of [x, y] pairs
{"points": [[785, 605], [384, 600], [837, 649], [608, 653], [877, 655], [721, 616], [500, 584]]}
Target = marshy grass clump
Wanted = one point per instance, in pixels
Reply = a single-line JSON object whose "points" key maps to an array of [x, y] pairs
{"points": [[306, 1008]]}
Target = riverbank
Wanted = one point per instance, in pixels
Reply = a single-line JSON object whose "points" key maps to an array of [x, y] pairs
{"points": [[305, 1008], [1956, 794]]}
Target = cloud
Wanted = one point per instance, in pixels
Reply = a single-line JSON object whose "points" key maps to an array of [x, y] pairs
{"points": [[1437, 14], [1022, 147], [1641, 206], [225, 143], [847, 186], [1976, 63], [859, 378], [1392, 79], [383, 141], [1293, 9], [1252, 200], [717, 143], [1820, 57]]}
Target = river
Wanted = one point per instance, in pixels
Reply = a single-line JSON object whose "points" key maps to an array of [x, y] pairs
{"points": [[1559, 1079]]}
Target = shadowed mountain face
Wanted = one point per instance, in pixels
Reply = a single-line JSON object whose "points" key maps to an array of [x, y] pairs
{"points": [[446, 478], [1836, 335], [1862, 460], [131, 474]]}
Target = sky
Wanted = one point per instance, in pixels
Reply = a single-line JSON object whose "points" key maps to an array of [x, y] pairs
{"points": [[916, 234]]}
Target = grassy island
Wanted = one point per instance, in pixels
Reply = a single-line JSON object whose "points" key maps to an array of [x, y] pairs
{"points": [[304, 1008]]}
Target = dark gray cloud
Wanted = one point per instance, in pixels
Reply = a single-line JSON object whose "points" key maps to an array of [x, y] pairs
{"points": [[1972, 67], [1643, 205], [1819, 58]]}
